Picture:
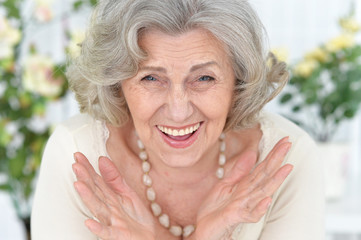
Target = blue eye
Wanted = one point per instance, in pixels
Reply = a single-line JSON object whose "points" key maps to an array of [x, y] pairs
{"points": [[149, 78], [206, 79]]}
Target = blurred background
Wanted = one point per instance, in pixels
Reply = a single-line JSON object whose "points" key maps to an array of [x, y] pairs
{"points": [[319, 39]]}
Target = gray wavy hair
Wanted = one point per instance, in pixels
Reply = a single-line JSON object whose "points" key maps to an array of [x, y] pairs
{"points": [[110, 53]]}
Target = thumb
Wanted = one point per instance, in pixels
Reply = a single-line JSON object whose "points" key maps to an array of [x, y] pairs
{"points": [[246, 161], [111, 175]]}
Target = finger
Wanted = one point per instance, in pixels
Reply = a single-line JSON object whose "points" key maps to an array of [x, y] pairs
{"points": [[96, 206], [98, 229], [277, 157], [82, 175], [82, 159], [92, 175], [271, 164], [97, 185], [260, 209], [111, 176], [263, 163], [275, 149], [242, 166], [276, 146], [272, 185], [129, 198]]}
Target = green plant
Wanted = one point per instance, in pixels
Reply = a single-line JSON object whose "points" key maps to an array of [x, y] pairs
{"points": [[326, 83], [29, 81]]}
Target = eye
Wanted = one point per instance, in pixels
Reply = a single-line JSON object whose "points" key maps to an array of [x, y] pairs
{"points": [[206, 79], [149, 78]]}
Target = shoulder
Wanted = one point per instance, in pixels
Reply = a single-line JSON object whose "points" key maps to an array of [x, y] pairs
{"points": [[80, 127], [279, 124], [72, 131], [77, 123], [80, 133], [274, 127]]}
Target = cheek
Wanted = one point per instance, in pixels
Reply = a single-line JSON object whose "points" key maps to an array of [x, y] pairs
{"points": [[215, 106], [141, 104]]}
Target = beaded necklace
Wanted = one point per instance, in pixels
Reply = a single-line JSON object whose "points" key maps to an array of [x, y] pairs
{"points": [[151, 195]]}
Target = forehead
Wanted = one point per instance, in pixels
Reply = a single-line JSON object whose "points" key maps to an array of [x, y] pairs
{"points": [[193, 44]]}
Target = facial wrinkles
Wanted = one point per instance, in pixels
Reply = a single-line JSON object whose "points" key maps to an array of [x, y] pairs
{"points": [[176, 57], [177, 54]]}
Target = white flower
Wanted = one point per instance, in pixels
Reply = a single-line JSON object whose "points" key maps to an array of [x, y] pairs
{"points": [[44, 2], [9, 37], [38, 76], [43, 11], [76, 38]]}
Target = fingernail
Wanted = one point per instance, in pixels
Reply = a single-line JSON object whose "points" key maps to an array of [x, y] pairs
{"points": [[74, 169], [288, 146], [288, 170], [75, 158], [269, 203], [76, 186], [95, 228]]}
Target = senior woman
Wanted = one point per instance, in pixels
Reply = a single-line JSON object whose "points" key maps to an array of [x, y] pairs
{"points": [[173, 142]]}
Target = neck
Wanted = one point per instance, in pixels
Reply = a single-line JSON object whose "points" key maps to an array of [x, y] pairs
{"points": [[182, 177], [186, 177]]}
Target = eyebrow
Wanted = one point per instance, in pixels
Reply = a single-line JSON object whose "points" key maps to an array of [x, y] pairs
{"points": [[193, 68]]}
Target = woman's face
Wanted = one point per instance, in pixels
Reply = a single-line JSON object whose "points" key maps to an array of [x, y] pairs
{"points": [[180, 98]]}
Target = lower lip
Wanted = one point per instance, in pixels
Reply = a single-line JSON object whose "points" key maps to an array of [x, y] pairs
{"points": [[183, 143]]}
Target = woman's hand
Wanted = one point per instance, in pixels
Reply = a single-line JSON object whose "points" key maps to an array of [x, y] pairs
{"points": [[244, 195], [120, 212]]}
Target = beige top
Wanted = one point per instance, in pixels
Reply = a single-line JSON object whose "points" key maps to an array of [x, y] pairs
{"points": [[297, 210]]}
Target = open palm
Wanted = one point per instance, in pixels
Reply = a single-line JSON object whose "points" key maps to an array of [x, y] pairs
{"points": [[244, 195]]}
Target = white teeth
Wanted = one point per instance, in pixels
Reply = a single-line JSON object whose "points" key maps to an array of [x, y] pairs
{"points": [[180, 132]]}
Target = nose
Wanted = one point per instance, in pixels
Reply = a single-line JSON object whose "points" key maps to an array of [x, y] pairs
{"points": [[179, 107]]}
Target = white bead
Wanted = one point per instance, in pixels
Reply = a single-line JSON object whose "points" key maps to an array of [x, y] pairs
{"points": [[151, 194], [222, 159], [223, 146], [223, 136], [143, 155], [156, 209], [188, 230], [176, 230], [146, 166], [140, 144], [220, 173], [164, 220], [147, 180]]}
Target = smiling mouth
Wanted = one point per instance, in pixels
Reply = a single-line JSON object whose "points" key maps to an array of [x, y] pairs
{"points": [[179, 134]]}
